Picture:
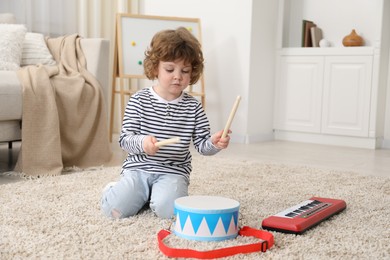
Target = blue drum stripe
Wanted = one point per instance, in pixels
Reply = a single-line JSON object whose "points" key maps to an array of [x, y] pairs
{"points": [[212, 220], [235, 215], [183, 217], [226, 218], [196, 219]]}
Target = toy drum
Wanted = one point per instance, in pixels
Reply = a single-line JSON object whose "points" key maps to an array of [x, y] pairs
{"points": [[206, 218]]}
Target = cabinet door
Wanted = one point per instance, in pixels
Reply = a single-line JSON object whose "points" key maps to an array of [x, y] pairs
{"points": [[347, 90], [298, 94]]}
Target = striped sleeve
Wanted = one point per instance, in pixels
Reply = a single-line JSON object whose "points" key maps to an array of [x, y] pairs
{"points": [[130, 138]]}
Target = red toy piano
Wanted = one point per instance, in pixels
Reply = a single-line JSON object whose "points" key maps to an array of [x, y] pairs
{"points": [[303, 216]]}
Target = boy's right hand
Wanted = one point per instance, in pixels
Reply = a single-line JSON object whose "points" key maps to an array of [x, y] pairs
{"points": [[149, 145]]}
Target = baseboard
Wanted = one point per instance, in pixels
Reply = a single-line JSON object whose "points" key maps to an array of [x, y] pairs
{"points": [[250, 139], [386, 144], [347, 141]]}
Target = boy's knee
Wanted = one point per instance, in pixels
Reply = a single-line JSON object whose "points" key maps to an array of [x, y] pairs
{"points": [[164, 213], [116, 214], [111, 213], [163, 209]]}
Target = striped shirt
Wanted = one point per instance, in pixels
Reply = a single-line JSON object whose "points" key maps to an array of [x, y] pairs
{"points": [[148, 114]]}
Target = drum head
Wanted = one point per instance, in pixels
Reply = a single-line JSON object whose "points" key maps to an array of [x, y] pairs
{"points": [[206, 204]]}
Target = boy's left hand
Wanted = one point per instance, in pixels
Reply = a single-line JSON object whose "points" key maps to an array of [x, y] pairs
{"points": [[218, 141]]}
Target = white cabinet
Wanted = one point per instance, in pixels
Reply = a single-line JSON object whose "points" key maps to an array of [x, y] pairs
{"points": [[324, 92], [299, 91], [346, 95]]}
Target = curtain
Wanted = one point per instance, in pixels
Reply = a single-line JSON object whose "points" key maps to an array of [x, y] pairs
{"points": [[88, 18], [50, 17]]}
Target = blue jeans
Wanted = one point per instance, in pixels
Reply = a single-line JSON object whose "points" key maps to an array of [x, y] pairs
{"points": [[136, 188]]}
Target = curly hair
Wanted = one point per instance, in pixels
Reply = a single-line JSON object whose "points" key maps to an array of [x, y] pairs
{"points": [[172, 45]]}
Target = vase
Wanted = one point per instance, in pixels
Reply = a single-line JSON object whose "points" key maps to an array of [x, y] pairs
{"points": [[352, 39]]}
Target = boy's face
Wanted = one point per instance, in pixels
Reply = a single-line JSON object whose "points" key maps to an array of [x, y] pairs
{"points": [[173, 77]]}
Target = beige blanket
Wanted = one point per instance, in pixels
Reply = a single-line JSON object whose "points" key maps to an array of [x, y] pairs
{"points": [[64, 122]]}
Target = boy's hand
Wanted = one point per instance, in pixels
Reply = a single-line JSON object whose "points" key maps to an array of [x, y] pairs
{"points": [[149, 145], [218, 141]]}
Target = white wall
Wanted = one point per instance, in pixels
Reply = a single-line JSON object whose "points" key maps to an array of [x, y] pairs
{"points": [[386, 39], [232, 58], [261, 73]]}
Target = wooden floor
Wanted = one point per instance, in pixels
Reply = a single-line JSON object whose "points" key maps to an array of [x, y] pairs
{"points": [[364, 161]]}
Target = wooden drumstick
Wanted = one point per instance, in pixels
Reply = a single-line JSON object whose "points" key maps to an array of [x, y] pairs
{"points": [[231, 116], [168, 141]]}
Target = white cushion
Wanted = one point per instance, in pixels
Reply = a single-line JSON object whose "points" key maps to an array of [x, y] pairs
{"points": [[35, 50], [11, 43]]}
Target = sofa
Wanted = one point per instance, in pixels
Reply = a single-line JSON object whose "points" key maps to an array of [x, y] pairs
{"points": [[96, 51]]}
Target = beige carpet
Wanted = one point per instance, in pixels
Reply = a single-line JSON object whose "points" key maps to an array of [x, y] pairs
{"points": [[59, 217]]}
